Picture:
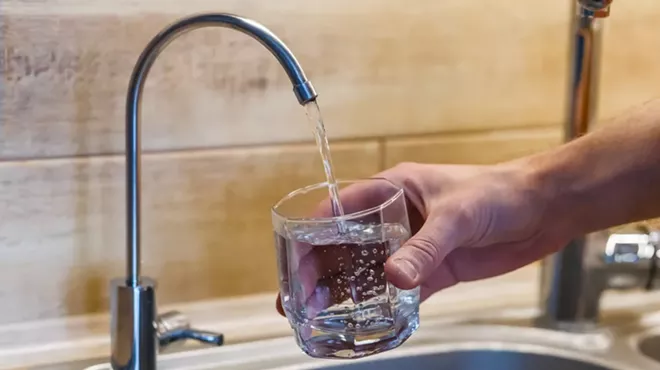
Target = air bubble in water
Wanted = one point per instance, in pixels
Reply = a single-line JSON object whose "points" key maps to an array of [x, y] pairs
{"points": [[375, 250], [357, 326], [364, 252], [350, 325], [352, 278], [370, 278], [361, 260], [339, 281], [359, 289], [373, 262]]}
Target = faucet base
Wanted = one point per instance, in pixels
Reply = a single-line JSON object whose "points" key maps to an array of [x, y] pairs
{"points": [[578, 326], [133, 333]]}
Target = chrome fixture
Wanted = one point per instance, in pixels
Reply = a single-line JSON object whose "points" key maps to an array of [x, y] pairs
{"points": [[630, 261], [564, 277], [622, 260], [137, 333]]}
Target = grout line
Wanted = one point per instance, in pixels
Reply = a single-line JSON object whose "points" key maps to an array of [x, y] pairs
{"points": [[382, 154], [380, 139], [201, 149]]}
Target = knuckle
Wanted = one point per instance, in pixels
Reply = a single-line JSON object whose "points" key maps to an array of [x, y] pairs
{"points": [[406, 166], [463, 215], [427, 249], [471, 222]]}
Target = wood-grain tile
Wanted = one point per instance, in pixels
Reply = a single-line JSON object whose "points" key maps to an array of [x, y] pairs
{"points": [[474, 148], [446, 66], [206, 224], [381, 68]]}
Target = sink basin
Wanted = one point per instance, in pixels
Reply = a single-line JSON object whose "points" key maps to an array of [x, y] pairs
{"points": [[428, 357], [648, 345], [474, 360], [489, 339], [437, 346]]}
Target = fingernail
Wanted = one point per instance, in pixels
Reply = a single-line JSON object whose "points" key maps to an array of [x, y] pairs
{"points": [[406, 268]]}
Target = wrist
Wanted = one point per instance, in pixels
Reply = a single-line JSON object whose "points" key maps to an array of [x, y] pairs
{"points": [[546, 178]]}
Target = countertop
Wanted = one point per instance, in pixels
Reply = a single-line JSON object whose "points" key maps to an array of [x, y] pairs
{"points": [[240, 319], [251, 318]]}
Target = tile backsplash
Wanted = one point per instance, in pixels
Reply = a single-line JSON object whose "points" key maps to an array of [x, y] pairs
{"points": [[431, 81]]}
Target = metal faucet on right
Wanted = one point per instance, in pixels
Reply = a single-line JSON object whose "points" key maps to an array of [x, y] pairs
{"points": [[574, 279]]}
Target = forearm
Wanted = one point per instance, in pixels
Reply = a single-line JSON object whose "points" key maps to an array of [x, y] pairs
{"points": [[606, 178]]}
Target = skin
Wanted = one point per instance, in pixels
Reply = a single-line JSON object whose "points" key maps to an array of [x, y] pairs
{"points": [[475, 222]]}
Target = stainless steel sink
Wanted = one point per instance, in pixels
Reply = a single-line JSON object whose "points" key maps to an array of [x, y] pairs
{"points": [[648, 344], [475, 360], [627, 338], [650, 347], [437, 345]]}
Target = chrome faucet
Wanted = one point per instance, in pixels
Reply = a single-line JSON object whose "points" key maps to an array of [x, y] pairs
{"points": [[567, 290], [137, 333]]}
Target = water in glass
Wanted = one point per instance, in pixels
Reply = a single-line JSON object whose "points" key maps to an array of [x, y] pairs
{"points": [[335, 292]]}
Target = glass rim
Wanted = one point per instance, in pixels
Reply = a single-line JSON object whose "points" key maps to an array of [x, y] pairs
{"points": [[345, 217]]}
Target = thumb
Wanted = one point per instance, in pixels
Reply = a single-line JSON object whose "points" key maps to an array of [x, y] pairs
{"points": [[422, 254]]}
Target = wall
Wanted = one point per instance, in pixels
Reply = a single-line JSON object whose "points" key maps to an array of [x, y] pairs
{"points": [[433, 81]]}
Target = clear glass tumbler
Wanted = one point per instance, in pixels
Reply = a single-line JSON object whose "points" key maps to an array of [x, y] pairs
{"points": [[333, 284]]}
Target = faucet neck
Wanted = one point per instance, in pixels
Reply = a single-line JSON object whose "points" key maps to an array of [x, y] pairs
{"points": [[302, 88], [564, 277], [133, 301]]}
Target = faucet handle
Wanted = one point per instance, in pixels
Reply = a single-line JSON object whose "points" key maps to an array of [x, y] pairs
{"points": [[633, 258], [174, 326], [598, 8], [624, 248]]}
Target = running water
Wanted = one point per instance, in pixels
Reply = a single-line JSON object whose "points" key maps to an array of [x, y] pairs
{"points": [[315, 120]]}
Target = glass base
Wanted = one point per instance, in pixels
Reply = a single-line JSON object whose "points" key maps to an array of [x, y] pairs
{"points": [[356, 343]]}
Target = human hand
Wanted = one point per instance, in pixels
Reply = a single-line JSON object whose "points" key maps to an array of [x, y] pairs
{"points": [[468, 223]]}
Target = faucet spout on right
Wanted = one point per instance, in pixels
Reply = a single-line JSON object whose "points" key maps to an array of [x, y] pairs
{"points": [[565, 276]]}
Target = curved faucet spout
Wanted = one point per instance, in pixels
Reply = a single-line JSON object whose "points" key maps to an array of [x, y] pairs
{"points": [[134, 335], [301, 86]]}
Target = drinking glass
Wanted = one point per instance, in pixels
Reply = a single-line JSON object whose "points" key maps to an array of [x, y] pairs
{"points": [[333, 284]]}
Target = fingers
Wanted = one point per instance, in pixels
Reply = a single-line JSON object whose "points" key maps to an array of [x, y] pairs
{"points": [[278, 305], [367, 194], [329, 275], [471, 264], [358, 197], [424, 253], [332, 274], [321, 276], [442, 278], [468, 264]]}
